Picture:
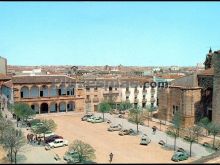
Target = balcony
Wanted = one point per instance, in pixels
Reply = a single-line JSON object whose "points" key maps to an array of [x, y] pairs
{"points": [[87, 100], [152, 91], [144, 91], [136, 100], [127, 92], [136, 91], [152, 100], [95, 100], [144, 100], [111, 92]]}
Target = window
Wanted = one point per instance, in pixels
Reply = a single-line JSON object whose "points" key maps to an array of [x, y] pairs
{"points": [[21, 94], [127, 97], [110, 88], [116, 89], [95, 88], [68, 92], [87, 89], [144, 96], [87, 96], [135, 97], [41, 93]]}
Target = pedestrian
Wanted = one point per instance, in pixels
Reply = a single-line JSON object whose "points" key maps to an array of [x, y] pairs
{"points": [[154, 129], [111, 157]]}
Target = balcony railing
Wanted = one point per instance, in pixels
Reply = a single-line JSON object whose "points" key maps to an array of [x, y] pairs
{"points": [[144, 91], [136, 100], [152, 99], [136, 91], [152, 91], [127, 92], [95, 100], [144, 100]]}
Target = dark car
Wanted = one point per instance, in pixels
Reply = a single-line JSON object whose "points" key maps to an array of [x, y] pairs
{"points": [[180, 150], [52, 138], [161, 142], [84, 118]]}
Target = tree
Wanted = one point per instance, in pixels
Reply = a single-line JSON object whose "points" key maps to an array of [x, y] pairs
{"points": [[86, 151], [172, 132], [104, 107], [4, 125], [48, 125], [192, 136], [13, 140], [177, 121], [22, 111], [149, 113], [19, 143], [204, 122], [124, 106], [197, 131], [137, 116], [214, 129]]}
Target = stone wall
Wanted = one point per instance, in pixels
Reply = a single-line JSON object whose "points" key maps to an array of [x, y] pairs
{"points": [[216, 88]]}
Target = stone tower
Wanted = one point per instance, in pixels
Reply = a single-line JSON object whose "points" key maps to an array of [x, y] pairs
{"points": [[216, 88]]}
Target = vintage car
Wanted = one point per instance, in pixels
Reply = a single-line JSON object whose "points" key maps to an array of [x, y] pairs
{"points": [[126, 132], [89, 119], [145, 140], [161, 142], [58, 143], [86, 116], [179, 156], [115, 128], [97, 120]]}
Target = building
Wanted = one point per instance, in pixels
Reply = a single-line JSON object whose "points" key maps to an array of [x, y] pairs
{"points": [[183, 96], [216, 88], [49, 93], [3, 65], [195, 96]]}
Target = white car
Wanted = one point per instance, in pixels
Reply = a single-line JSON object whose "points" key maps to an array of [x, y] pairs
{"points": [[58, 143]]}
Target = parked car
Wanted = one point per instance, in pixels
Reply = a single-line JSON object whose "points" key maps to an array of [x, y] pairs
{"points": [[71, 156], [52, 138], [86, 116], [126, 132], [145, 140], [58, 143], [115, 128], [205, 144], [179, 156], [121, 116], [122, 112], [161, 142], [89, 119], [97, 120], [108, 121], [180, 150]]}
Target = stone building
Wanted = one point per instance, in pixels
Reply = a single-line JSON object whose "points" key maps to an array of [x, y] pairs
{"points": [[216, 88], [3, 65], [183, 96], [197, 99], [49, 93]]}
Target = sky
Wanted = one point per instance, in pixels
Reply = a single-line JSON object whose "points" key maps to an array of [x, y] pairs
{"points": [[108, 33]]}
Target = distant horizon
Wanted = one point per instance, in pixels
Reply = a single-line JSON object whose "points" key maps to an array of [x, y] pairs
{"points": [[137, 34], [98, 65]]}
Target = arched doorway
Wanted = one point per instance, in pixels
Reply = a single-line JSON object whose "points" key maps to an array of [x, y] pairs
{"points": [[35, 107], [44, 108], [70, 106], [53, 107], [62, 107]]}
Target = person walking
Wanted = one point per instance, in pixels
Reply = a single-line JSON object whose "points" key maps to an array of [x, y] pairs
{"points": [[111, 157]]}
